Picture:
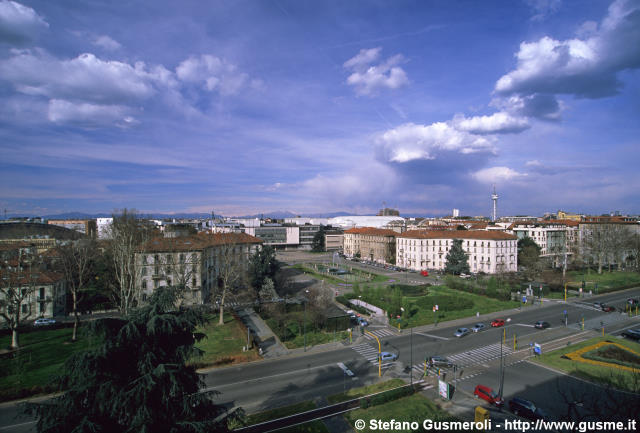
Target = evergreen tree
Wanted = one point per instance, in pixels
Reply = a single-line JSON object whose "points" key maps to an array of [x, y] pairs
{"points": [[263, 264], [457, 260], [136, 380], [318, 241]]}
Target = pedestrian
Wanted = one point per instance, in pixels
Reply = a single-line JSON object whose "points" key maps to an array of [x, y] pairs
{"points": [[477, 314]]}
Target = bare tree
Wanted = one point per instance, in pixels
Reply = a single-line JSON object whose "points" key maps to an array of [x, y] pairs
{"points": [[17, 289], [230, 260], [76, 263], [127, 232]]}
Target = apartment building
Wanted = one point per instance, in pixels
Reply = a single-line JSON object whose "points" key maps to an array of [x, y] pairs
{"points": [[369, 243], [554, 237], [488, 251], [196, 262]]}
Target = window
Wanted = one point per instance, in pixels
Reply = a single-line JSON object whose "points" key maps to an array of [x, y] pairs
{"points": [[144, 284], [25, 308], [144, 270], [43, 307]]}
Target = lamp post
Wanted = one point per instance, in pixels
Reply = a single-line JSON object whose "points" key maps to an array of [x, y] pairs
{"points": [[304, 320]]}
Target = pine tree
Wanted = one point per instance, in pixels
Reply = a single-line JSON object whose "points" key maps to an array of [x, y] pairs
{"points": [[136, 380], [457, 260]]}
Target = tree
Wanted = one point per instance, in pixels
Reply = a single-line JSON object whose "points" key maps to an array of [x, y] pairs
{"points": [[529, 262], [457, 260], [17, 289], [230, 274], [136, 380], [318, 241], [127, 232], [263, 264], [76, 263]]}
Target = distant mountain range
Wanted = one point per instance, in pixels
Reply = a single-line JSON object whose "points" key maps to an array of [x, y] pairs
{"points": [[273, 214]]}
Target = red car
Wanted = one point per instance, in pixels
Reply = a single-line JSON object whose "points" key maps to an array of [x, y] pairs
{"points": [[424, 273], [497, 323], [608, 308], [486, 393]]}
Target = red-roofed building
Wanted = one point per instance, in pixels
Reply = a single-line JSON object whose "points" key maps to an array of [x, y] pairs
{"points": [[193, 261], [369, 243], [488, 251]]}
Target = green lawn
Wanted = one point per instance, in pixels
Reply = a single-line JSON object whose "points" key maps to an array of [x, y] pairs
{"points": [[223, 344], [41, 356], [365, 390], [424, 313], [310, 427], [617, 378], [415, 407], [606, 281]]}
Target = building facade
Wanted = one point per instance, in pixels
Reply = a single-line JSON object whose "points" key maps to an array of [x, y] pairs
{"points": [[86, 227], [197, 263], [369, 243], [488, 251]]}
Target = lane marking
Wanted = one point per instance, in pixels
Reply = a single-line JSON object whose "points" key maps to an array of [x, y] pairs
{"points": [[430, 336]]}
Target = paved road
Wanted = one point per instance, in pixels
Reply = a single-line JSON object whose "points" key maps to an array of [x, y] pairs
{"points": [[316, 374]]}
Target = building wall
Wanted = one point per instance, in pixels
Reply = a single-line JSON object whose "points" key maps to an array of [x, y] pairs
{"points": [[485, 255], [377, 248], [333, 242]]}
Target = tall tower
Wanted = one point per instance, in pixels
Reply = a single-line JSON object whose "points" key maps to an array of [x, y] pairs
{"points": [[494, 197]]}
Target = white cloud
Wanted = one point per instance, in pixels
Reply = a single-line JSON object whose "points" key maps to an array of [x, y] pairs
{"points": [[84, 78], [497, 123], [86, 114], [580, 67], [543, 8], [368, 78], [410, 142], [106, 43], [497, 174], [363, 58], [19, 23], [214, 74]]}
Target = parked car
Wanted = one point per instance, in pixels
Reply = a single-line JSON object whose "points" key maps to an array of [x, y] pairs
{"points": [[439, 361], [526, 409], [632, 301], [461, 332], [540, 324], [388, 356], [608, 308], [424, 273], [632, 334], [478, 327], [44, 322], [497, 323], [362, 322], [488, 394]]}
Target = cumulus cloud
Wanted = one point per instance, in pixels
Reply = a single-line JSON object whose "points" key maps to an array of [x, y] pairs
{"points": [[18, 23], [85, 78], [497, 123], [367, 78], [410, 142], [86, 114], [106, 43], [213, 73], [497, 174], [581, 67]]}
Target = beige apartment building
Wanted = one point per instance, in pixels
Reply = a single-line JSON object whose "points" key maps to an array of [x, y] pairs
{"points": [[196, 262], [368, 243]]}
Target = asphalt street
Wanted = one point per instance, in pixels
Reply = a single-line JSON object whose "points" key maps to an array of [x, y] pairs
{"points": [[318, 373]]}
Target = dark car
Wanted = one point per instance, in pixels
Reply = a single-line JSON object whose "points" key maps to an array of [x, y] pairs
{"points": [[632, 334], [526, 409], [541, 324], [439, 361], [497, 323], [478, 327], [488, 394], [608, 308]]}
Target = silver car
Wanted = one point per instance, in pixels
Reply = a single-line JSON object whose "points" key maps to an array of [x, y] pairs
{"points": [[478, 327], [461, 332]]}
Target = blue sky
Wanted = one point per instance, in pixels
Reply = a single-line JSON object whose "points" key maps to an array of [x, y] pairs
{"points": [[317, 106]]}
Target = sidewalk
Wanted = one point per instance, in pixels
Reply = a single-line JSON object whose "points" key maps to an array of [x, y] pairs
{"points": [[270, 344]]}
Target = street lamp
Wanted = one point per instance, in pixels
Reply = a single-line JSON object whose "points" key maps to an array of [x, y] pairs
{"points": [[304, 320]]}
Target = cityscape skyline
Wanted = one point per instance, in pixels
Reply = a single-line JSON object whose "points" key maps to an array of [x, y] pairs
{"points": [[253, 107]]}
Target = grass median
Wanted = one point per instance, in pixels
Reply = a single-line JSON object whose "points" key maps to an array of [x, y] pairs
{"points": [[281, 412]]}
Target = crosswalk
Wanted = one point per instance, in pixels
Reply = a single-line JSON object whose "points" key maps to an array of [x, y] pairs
{"points": [[380, 333], [471, 357]]}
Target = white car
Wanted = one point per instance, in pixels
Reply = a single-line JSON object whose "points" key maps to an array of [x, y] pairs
{"points": [[44, 322]]}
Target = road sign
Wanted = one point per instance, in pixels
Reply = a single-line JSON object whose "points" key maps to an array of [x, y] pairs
{"points": [[443, 389], [537, 349]]}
